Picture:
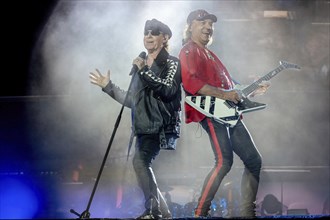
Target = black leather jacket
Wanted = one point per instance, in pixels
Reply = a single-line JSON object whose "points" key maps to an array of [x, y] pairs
{"points": [[154, 96]]}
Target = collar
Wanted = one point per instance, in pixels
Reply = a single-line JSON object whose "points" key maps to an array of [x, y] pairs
{"points": [[190, 41], [161, 58]]}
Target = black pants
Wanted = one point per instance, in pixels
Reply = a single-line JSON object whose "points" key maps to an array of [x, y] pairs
{"points": [[147, 148], [226, 141]]}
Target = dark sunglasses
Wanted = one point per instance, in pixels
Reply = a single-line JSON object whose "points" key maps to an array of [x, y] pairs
{"points": [[152, 32]]}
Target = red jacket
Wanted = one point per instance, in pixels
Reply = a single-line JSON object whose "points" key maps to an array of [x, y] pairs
{"points": [[200, 66]]}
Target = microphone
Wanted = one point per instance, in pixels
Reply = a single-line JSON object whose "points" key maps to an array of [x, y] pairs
{"points": [[135, 68]]}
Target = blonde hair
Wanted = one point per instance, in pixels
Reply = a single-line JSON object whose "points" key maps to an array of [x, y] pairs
{"points": [[186, 34]]}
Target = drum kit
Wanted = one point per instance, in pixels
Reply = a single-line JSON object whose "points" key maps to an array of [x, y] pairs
{"points": [[218, 209], [182, 201], [223, 205]]}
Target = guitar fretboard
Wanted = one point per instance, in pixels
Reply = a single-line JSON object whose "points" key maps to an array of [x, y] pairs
{"points": [[283, 65], [248, 90]]}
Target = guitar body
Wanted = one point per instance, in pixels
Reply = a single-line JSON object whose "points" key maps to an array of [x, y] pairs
{"points": [[228, 112], [246, 105], [225, 112]]}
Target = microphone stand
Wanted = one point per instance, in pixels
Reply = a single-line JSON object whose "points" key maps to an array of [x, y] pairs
{"points": [[86, 214]]}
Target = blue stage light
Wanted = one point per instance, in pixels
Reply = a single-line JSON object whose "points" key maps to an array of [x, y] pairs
{"points": [[17, 198]]}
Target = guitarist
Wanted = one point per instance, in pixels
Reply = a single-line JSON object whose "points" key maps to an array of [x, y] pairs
{"points": [[204, 74]]}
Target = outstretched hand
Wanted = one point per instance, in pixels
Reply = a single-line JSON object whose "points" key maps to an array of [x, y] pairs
{"points": [[98, 79]]}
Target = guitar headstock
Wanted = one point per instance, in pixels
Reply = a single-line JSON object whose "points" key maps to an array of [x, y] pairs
{"points": [[288, 65]]}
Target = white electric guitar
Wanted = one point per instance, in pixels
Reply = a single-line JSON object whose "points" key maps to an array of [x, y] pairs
{"points": [[228, 112]]}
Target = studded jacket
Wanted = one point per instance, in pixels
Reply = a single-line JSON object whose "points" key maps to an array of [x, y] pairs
{"points": [[154, 96]]}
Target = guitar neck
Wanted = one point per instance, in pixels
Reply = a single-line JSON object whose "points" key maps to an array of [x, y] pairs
{"points": [[251, 88]]}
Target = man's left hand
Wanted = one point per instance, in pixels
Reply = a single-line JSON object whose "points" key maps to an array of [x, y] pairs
{"points": [[263, 87]]}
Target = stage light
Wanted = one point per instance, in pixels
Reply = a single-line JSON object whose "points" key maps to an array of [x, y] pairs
{"points": [[18, 200]]}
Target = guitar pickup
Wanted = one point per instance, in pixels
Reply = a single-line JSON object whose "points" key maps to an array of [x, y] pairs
{"points": [[230, 118]]}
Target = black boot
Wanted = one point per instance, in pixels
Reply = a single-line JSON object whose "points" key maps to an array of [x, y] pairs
{"points": [[152, 209], [249, 189], [148, 214]]}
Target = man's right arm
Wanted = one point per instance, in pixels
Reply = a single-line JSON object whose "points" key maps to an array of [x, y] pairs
{"points": [[230, 95]]}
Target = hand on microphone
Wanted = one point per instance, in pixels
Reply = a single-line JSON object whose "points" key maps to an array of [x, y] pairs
{"points": [[138, 63]]}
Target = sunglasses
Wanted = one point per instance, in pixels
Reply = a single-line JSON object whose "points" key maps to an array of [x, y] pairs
{"points": [[152, 32]]}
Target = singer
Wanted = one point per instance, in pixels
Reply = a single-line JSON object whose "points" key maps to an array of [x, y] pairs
{"points": [[155, 100]]}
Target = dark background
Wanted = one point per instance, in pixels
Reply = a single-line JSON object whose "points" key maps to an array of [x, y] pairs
{"points": [[20, 33], [21, 27]]}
